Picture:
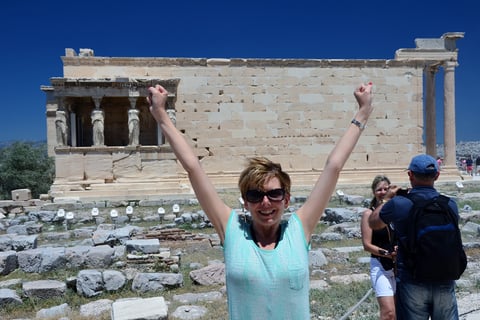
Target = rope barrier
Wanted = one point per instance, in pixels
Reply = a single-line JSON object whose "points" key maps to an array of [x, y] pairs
{"points": [[355, 307]]}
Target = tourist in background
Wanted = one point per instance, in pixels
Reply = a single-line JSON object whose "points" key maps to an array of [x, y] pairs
{"points": [[440, 162], [266, 259], [477, 165], [381, 245], [469, 165], [415, 300]]}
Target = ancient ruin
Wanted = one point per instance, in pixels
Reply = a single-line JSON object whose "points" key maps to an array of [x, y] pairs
{"points": [[107, 145]]}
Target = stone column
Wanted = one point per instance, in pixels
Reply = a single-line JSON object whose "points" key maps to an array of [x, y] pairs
{"points": [[73, 128], [430, 113], [98, 127], [61, 127], [133, 127], [449, 113], [160, 137]]}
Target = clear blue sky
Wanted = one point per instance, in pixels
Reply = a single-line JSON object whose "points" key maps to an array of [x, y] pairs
{"points": [[34, 35]]}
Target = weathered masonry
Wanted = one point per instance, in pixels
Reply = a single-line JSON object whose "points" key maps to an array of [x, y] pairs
{"points": [[107, 145]]}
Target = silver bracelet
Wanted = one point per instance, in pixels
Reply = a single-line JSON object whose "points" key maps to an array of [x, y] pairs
{"points": [[360, 125]]}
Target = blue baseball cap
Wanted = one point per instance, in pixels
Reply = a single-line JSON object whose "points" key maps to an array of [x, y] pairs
{"points": [[423, 164]]}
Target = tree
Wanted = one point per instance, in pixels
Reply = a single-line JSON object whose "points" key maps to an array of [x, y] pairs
{"points": [[25, 165]]}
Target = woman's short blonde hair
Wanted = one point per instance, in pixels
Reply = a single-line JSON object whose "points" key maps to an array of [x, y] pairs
{"points": [[260, 170]]}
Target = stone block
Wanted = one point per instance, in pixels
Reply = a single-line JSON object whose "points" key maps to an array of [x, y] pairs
{"points": [[133, 308], [143, 246], [21, 194], [44, 289], [432, 44]]}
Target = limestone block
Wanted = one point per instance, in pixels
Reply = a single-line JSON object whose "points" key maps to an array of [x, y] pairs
{"points": [[113, 280], [154, 169], [9, 296], [317, 259], [69, 167], [435, 44], [99, 256], [56, 312], [126, 165], [148, 282], [17, 242], [227, 164], [89, 283], [136, 308], [143, 245], [21, 194], [210, 275], [8, 262], [98, 166], [41, 260], [190, 298], [96, 308], [44, 289], [75, 256]]}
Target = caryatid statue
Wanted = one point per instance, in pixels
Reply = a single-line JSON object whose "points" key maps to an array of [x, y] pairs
{"points": [[133, 127], [61, 127], [98, 127]]}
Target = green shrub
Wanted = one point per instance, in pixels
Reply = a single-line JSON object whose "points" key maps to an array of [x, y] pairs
{"points": [[25, 165]]}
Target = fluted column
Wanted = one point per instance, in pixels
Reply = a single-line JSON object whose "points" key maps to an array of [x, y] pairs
{"points": [[430, 111], [449, 113]]}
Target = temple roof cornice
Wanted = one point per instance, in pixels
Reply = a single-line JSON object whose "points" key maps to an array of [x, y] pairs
{"points": [[119, 87]]}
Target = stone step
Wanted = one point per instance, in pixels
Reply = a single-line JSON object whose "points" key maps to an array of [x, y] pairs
{"points": [[120, 193], [138, 190]]}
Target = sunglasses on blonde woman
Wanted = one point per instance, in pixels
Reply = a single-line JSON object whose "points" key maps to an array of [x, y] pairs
{"points": [[256, 196]]}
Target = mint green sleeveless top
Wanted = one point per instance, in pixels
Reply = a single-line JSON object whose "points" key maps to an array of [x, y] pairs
{"points": [[267, 284]]}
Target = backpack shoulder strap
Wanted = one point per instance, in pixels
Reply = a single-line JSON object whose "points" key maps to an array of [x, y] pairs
{"points": [[409, 242], [443, 201]]}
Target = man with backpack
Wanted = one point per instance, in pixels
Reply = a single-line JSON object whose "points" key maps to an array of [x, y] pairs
{"points": [[430, 254]]}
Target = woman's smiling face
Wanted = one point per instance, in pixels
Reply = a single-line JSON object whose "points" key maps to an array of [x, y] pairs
{"points": [[381, 190], [267, 212]]}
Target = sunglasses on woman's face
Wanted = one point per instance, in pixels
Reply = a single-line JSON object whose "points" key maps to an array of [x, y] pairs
{"points": [[256, 196]]}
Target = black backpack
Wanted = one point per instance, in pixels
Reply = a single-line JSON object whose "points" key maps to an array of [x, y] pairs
{"points": [[433, 249]]}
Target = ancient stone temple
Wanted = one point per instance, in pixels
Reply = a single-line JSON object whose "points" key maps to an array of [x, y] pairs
{"points": [[107, 145]]}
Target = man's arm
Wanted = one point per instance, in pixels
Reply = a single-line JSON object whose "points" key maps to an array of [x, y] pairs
{"points": [[375, 221]]}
